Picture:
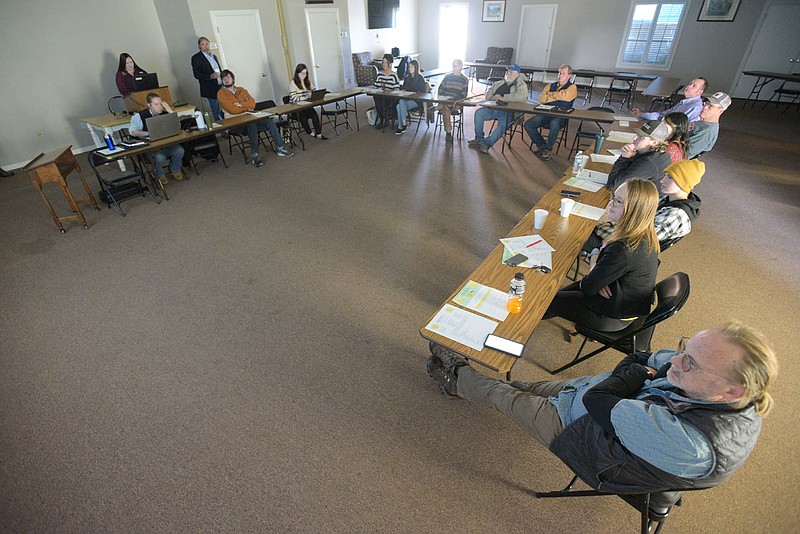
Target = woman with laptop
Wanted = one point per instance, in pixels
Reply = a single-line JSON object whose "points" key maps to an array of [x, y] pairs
{"points": [[300, 89], [619, 287], [126, 72]]}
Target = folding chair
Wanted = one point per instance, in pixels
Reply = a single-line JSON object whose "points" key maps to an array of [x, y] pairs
{"points": [[117, 186], [619, 90], [671, 294], [333, 117], [587, 133]]}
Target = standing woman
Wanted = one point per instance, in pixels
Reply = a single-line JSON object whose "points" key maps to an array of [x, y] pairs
{"points": [[388, 81], [619, 288], [415, 83], [125, 72], [300, 88]]}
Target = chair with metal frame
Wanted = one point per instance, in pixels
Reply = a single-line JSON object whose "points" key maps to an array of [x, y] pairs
{"points": [[585, 83], [587, 133], [293, 121], [563, 133], [206, 148], [671, 294], [117, 186], [332, 117], [780, 92], [456, 119], [619, 90]]}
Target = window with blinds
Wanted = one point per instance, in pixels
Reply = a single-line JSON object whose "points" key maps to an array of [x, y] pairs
{"points": [[651, 33]]}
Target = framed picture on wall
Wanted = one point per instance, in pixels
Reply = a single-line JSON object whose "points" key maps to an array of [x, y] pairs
{"points": [[718, 10], [494, 11]]}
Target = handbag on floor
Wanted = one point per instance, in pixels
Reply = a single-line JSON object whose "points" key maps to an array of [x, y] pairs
{"points": [[372, 116]]}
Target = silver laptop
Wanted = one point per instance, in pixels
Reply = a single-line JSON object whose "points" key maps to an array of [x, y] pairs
{"points": [[161, 126]]}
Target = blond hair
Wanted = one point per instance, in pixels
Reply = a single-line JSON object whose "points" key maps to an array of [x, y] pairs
{"points": [[636, 222], [757, 369]]}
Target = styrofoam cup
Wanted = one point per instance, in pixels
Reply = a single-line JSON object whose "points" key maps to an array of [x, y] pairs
{"points": [[566, 206], [539, 216]]}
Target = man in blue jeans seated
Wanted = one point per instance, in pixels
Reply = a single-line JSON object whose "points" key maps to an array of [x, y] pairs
{"points": [[667, 420], [510, 89], [138, 128], [561, 92]]}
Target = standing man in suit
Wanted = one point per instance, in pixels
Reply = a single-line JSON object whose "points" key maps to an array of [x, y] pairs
{"points": [[206, 69]]}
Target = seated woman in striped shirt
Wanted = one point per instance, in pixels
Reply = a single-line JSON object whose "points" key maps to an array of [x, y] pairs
{"points": [[300, 88], [388, 81]]}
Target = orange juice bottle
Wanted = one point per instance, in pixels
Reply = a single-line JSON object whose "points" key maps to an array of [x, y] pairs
{"points": [[515, 293]]}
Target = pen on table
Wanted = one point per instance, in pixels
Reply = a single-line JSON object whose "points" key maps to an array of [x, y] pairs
{"points": [[534, 243]]}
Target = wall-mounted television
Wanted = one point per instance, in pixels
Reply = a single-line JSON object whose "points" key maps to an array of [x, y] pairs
{"points": [[381, 13]]}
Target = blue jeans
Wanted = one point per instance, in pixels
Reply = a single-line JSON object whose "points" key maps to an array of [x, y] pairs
{"points": [[533, 124], [486, 114], [403, 107], [216, 112], [175, 155], [267, 125]]}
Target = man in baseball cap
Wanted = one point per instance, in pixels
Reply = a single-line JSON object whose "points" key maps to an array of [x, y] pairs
{"points": [[646, 157], [704, 132], [512, 88]]}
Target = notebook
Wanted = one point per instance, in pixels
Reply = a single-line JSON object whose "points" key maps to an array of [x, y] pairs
{"points": [[161, 126], [318, 94]]}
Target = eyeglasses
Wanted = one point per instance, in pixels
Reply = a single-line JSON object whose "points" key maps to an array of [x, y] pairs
{"points": [[616, 201], [688, 364]]}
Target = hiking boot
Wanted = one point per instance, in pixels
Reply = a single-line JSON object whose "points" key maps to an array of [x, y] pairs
{"points": [[475, 143], [178, 175], [163, 180], [536, 149], [447, 357], [448, 137]]}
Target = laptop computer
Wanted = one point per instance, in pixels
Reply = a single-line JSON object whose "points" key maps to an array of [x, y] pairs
{"points": [[318, 94], [161, 126], [143, 82]]}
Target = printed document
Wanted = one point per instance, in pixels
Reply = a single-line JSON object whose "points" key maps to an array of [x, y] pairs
{"points": [[587, 211], [462, 326], [484, 299], [582, 183], [621, 137]]}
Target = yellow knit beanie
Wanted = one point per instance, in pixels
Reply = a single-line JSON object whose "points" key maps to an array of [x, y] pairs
{"points": [[686, 173]]}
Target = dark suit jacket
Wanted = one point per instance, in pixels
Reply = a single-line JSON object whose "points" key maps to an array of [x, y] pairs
{"points": [[203, 70]]}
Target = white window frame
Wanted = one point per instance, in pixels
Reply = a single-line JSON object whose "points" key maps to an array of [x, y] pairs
{"points": [[668, 65]]}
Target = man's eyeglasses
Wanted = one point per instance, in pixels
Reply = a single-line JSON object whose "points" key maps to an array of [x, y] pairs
{"points": [[688, 364]]}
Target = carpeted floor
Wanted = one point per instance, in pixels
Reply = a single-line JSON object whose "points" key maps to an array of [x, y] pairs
{"points": [[246, 356]]}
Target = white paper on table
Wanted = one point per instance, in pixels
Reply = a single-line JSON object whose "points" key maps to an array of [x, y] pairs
{"points": [[584, 184], [404, 93], [484, 299], [535, 259], [259, 114], [624, 123], [544, 107], [620, 137], [587, 211], [538, 254], [462, 326], [331, 95], [107, 152], [621, 118], [594, 176], [615, 151], [602, 158], [216, 125]]}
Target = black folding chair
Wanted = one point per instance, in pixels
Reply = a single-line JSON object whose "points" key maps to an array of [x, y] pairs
{"points": [[117, 186]]}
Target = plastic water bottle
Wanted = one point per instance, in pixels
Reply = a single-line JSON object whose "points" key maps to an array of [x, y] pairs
{"points": [[198, 117], [207, 117], [109, 141], [576, 166], [515, 293]]}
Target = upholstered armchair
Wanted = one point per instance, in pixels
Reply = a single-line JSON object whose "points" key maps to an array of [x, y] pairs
{"points": [[496, 55], [365, 69]]}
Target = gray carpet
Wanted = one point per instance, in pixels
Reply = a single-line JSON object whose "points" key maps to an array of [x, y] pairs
{"points": [[246, 356]]}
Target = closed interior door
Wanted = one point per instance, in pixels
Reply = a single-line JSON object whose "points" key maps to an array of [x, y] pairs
{"points": [[536, 35], [776, 48], [325, 64], [242, 50]]}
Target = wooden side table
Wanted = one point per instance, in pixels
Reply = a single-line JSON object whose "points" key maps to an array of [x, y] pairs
{"points": [[54, 167]]}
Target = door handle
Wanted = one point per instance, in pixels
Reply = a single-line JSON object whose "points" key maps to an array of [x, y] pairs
{"points": [[263, 74]]}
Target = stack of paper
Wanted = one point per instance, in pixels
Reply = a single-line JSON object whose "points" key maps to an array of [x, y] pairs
{"points": [[602, 158], [621, 137], [583, 183], [587, 211], [538, 251], [462, 326], [487, 300], [594, 176]]}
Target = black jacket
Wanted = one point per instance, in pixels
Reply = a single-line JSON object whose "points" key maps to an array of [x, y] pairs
{"points": [[202, 70], [647, 166]]}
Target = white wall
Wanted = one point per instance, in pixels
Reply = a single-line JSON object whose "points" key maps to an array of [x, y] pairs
{"points": [[588, 34], [59, 61], [380, 42]]}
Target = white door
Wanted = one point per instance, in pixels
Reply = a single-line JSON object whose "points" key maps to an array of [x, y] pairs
{"points": [[325, 64], [536, 35], [775, 48], [453, 21], [242, 50]]}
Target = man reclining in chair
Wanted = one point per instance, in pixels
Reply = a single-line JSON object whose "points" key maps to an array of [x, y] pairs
{"points": [[668, 420]]}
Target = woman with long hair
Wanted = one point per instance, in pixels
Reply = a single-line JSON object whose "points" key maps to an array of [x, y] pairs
{"points": [[300, 88], [388, 81], [126, 70], [415, 83], [678, 142], [619, 288]]}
